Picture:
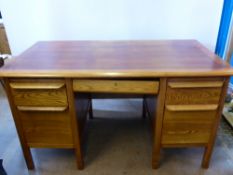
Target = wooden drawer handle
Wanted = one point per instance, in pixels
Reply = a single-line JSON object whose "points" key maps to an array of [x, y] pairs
{"points": [[191, 107], [51, 109], [57, 85], [195, 84]]}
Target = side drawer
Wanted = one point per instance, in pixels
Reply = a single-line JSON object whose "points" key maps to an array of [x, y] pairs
{"points": [[194, 91], [38, 93], [188, 124], [47, 129], [116, 86]]}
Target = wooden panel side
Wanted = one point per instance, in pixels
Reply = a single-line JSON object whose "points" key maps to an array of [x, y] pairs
{"points": [[209, 148], [19, 127]]}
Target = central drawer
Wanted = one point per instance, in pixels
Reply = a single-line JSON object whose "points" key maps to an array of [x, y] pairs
{"points": [[116, 86]]}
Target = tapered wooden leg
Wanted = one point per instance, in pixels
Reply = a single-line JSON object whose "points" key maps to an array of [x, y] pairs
{"points": [[79, 158], [28, 157], [26, 150], [157, 135], [143, 108], [90, 110], [209, 149], [75, 125], [207, 156], [156, 157]]}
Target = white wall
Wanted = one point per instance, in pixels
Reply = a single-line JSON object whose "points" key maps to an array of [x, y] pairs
{"points": [[28, 21]]}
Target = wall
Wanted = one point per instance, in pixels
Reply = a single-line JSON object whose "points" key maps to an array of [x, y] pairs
{"points": [[28, 21]]}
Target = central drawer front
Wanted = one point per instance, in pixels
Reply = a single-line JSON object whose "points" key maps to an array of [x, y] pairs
{"points": [[116, 86], [39, 93], [190, 110]]}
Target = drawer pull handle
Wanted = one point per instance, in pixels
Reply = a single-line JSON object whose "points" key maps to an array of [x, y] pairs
{"points": [[191, 107], [57, 85], [195, 84], [52, 109]]}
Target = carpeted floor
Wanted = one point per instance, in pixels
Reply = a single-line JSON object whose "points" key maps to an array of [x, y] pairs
{"points": [[119, 143]]}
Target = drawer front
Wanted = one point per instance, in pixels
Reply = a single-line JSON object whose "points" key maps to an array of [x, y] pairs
{"points": [[188, 124], [116, 86], [47, 129], [188, 91], [39, 93], [185, 133]]}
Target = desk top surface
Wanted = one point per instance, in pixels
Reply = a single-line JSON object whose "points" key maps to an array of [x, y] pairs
{"points": [[116, 59]]}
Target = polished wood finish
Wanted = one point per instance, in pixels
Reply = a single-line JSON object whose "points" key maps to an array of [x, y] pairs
{"points": [[117, 59], [51, 85], [116, 86]]}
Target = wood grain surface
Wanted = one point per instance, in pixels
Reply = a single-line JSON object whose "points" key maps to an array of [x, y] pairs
{"points": [[172, 58], [47, 129], [116, 86]]}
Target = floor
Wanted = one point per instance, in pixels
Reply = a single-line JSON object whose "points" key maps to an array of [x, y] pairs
{"points": [[119, 143]]}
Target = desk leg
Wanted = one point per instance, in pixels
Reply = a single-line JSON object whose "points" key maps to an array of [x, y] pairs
{"points": [[25, 147], [143, 108], [158, 123], [75, 125], [209, 148], [91, 109]]}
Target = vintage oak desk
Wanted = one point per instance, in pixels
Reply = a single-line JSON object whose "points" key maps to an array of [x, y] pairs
{"points": [[50, 85]]}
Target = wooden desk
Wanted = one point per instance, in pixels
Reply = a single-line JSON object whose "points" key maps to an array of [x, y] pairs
{"points": [[50, 84]]}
